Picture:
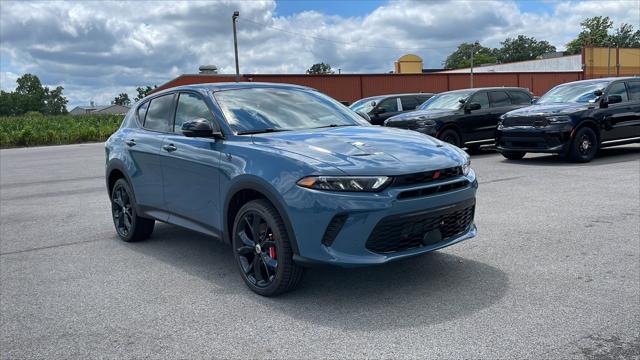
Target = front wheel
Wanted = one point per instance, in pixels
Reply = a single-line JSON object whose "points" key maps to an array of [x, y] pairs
{"points": [[450, 136], [513, 155], [263, 251], [584, 146]]}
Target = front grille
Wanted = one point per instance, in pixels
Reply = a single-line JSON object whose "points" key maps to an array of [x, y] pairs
{"points": [[525, 121], [433, 190], [403, 232], [426, 176]]}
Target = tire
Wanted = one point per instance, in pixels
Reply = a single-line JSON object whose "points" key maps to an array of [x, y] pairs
{"points": [[513, 155], [450, 136], [258, 230], [584, 145], [123, 213]]}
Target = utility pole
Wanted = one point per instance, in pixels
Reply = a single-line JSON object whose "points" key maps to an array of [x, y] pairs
{"points": [[473, 47], [609, 61], [234, 19]]}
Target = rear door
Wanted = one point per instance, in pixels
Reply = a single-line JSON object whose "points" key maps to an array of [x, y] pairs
{"points": [[144, 145], [409, 103], [191, 169], [500, 103]]}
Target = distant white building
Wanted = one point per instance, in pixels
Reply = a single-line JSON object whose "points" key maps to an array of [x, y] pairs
{"points": [[100, 109], [570, 63]]}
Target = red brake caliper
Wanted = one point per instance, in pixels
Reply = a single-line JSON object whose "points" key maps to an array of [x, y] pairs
{"points": [[272, 250]]}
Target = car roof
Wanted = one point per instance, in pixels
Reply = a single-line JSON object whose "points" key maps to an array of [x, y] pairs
{"points": [[604, 79], [392, 95], [486, 88], [233, 85]]}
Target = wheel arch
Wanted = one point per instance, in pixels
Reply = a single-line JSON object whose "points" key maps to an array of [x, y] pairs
{"points": [[451, 126], [591, 123], [116, 170], [251, 188]]}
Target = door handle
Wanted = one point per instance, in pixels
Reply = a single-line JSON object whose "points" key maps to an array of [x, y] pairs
{"points": [[130, 142], [170, 148]]}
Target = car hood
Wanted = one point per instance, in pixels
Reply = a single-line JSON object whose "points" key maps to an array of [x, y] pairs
{"points": [[550, 109], [418, 115], [367, 150]]}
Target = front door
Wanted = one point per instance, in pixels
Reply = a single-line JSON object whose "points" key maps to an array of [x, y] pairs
{"points": [[191, 170], [474, 122]]}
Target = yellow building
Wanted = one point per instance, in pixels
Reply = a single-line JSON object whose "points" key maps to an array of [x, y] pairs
{"points": [[599, 62], [408, 64]]}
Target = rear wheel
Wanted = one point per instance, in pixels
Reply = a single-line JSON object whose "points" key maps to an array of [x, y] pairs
{"points": [[450, 136], [129, 226], [584, 145], [263, 251], [513, 155]]}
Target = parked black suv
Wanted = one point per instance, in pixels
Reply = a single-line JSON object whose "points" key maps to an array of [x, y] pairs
{"points": [[380, 108], [463, 117], [574, 119]]}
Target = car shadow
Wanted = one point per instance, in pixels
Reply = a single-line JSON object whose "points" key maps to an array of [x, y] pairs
{"points": [[605, 156], [428, 289]]}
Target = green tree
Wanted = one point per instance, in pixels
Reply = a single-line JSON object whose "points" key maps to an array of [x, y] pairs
{"points": [[320, 68], [522, 48], [31, 93], [595, 32], [142, 92], [122, 99], [461, 58], [9, 104], [625, 37], [55, 103]]}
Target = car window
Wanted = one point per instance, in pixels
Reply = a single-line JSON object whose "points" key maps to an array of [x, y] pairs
{"points": [[618, 89], [423, 98], [499, 99], [409, 103], [159, 114], [389, 105], [142, 111], [519, 97], [480, 98], [634, 90], [191, 107]]}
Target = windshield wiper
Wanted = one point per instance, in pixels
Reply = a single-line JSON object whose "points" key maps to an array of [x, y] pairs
{"points": [[260, 131], [333, 125]]}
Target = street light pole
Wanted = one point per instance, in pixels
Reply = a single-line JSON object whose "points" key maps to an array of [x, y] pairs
{"points": [[234, 19], [473, 47]]}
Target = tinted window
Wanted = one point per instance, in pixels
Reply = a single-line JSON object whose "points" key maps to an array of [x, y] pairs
{"points": [[423, 98], [480, 98], [634, 90], [159, 114], [408, 103], [191, 107], [142, 111], [618, 89], [519, 97], [389, 105], [499, 99]]}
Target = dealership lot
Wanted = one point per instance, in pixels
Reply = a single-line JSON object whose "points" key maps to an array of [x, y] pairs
{"points": [[554, 272]]}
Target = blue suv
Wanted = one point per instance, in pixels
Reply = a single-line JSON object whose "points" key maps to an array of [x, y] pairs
{"points": [[288, 176]]}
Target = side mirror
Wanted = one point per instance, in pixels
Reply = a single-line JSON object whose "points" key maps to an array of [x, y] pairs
{"points": [[474, 106], [373, 104], [614, 99], [199, 128], [364, 115], [534, 100], [597, 93]]}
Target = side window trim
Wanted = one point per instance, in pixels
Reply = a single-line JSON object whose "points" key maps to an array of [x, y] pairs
{"points": [[399, 104]]}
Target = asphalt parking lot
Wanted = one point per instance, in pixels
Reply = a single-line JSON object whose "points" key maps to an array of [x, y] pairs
{"points": [[554, 273]]}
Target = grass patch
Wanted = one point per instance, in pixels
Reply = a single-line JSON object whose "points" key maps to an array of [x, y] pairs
{"points": [[34, 129]]}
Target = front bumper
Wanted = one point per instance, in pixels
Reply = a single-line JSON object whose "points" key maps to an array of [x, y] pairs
{"points": [[313, 217], [546, 139]]}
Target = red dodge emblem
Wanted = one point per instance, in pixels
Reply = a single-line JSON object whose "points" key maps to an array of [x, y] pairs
{"points": [[436, 174]]}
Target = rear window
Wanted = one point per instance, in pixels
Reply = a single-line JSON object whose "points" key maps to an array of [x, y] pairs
{"points": [[409, 103], [159, 114], [519, 97], [499, 98]]}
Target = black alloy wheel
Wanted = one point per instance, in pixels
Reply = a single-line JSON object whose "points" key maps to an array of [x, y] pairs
{"points": [[129, 226], [450, 136], [584, 145], [263, 251]]}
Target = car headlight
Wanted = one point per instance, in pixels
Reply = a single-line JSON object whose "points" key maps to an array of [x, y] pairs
{"points": [[466, 167], [345, 183], [558, 119]]}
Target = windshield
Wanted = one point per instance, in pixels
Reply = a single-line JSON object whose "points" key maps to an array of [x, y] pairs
{"points": [[363, 105], [573, 93], [447, 101], [274, 109]]}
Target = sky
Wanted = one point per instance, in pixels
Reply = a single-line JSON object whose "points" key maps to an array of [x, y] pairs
{"points": [[98, 49]]}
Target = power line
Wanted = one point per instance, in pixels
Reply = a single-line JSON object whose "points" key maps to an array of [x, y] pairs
{"points": [[345, 42]]}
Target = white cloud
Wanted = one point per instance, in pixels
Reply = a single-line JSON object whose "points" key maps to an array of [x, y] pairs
{"points": [[99, 49]]}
